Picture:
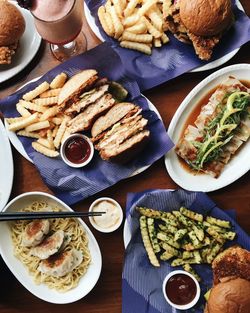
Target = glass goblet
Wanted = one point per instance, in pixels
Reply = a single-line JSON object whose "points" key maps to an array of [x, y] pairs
{"points": [[62, 30]]}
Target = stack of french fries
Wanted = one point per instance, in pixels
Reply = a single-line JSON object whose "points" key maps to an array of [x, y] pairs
{"points": [[40, 117], [137, 24]]}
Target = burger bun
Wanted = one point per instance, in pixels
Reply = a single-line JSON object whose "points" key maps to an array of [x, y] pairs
{"points": [[12, 24], [206, 17], [229, 296]]}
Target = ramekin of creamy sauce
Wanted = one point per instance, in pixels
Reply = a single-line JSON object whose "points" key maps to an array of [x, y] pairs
{"points": [[111, 219]]}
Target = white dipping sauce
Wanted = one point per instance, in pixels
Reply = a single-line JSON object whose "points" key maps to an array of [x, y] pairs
{"points": [[110, 218]]}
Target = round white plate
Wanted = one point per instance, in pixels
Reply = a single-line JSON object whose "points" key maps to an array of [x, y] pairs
{"points": [[237, 166], [28, 47], [6, 167], [208, 66], [86, 283], [19, 147]]}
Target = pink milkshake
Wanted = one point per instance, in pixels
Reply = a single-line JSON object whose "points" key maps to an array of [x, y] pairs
{"points": [[58, 21]]}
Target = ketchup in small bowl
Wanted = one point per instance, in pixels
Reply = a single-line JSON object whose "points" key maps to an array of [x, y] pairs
{"points": [[181, 289], [77, 150]]}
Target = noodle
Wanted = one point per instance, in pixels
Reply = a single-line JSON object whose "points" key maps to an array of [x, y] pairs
{"points": [[78, 241]]}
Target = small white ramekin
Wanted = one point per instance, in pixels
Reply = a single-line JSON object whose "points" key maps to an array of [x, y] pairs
{"points": [[112, 228], [66, 160], [185, 306]]}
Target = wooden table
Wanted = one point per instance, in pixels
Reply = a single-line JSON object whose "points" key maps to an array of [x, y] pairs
{"points": [[106, 296]]}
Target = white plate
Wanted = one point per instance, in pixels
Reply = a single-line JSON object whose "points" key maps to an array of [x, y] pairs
{"points": [[19, 147], [91, 21], [6, 167], [86, 283], [28, 46], [238, 166]]}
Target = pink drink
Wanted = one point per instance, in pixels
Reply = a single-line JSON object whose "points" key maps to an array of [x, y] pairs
{"points": [[58, 21]]}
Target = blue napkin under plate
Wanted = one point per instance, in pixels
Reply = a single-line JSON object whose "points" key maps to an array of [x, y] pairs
{"points": [[142, 282]]}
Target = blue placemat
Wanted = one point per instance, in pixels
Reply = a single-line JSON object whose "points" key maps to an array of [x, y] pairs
{"points": [[71, 184], [141, 282], [174, 58]]}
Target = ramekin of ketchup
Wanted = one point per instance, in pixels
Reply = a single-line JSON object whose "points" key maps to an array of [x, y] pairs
{"points": [[77, 150], [181, 290]]}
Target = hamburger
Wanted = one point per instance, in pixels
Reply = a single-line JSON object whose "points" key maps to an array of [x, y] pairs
{"points": [[200, 23], [231, 287], [12, 27]]}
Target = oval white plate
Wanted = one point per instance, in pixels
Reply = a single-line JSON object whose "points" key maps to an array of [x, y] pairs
{"points": [[19, 147], [86, 283], [208, 66], [236, 167], [6, 167], [28, 47]]}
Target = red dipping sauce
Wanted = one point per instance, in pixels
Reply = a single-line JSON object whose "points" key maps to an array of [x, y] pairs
{"points": [[77, 150], [181, 289]]}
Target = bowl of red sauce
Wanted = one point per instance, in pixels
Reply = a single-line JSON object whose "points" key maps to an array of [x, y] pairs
{"points": [[77, 150], [181, 290]]}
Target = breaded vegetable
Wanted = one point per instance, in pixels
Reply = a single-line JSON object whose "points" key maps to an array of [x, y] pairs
{"points": [[169, 239], [152, 235], [191, 214], [153, 213], [188, 268], [146, 241], [168, 228], [180, 234], [216, 221], [169, 249]]}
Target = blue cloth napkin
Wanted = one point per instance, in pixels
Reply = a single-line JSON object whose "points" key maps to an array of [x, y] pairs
{"points": [[141, 282], [70, 184], [174, 58]]}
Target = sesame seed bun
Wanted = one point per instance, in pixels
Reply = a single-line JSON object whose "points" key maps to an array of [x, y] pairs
{"points": [[12, 24], [206, 17]]}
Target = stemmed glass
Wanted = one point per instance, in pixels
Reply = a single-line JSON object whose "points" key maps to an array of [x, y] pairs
{"points": [[63, 31]]}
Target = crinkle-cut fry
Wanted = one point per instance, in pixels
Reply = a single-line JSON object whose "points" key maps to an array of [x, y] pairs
{"points": [[116, 22], [157, 42], [106, 21], [142, 47], [108, 5], [131, 20], [24, 123], [58, 81], [32, 106], [143, 38], [46, 101], [22, 111], [123, 4], [55, 130], [41, 149], [156, 20], [50, 93], [145, 7], [49, 113], [11, 120], [131, 7], [164, 38], [44, 142], [118, 7], [60, 132], [139, 28], [166, 5], [50, 139], [36, 92], [66, 135], [37, 126], [151, 29], [57, 120], [24, 133]]}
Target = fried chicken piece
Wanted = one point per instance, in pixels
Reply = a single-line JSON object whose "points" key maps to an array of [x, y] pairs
{"points": [[7, 52]]}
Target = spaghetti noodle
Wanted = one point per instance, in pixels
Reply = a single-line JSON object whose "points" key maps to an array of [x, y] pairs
{"points": [[78, 241]]}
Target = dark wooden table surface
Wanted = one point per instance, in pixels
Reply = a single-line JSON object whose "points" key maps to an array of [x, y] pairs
{"points": [[106, 296]]}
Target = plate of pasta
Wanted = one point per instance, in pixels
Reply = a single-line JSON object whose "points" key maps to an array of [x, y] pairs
{"points": [[58, 260]]}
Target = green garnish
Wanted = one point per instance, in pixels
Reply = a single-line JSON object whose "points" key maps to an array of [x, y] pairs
{"points": [[220, 130]]}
